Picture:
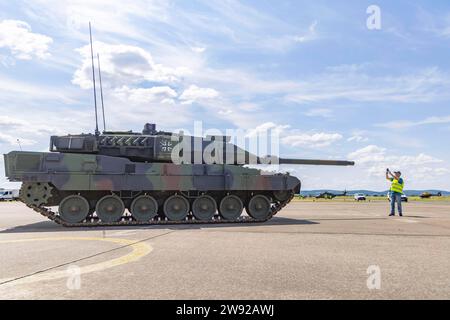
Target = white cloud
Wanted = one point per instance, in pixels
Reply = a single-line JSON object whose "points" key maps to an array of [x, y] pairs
{"points": [[36, 125], [403, 124], [10, 140], [248, 106], [374, 160], [371, 153], [17, 36], [10, 122], [319, 112], [294, 138], [11, 90], [442, 171], [144, 95], [195, 93], [198, 49], [354, 84], [357, 136], [124, 65], [269, 128], [310, 35], [247, 27], [108, 16], [311, 140], [225, 112]]}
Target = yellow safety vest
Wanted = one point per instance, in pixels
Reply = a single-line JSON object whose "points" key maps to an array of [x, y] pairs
{"points": [[397, 186]]}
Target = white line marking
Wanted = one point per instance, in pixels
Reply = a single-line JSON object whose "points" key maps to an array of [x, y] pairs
{"points": [[407, 220]]}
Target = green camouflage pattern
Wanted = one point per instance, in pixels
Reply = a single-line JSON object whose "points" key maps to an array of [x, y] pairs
{"points": [[90, 172]]}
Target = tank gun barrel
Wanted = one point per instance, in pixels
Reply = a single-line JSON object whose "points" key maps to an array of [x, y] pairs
{"points": [[313, 162], [317, 162]]}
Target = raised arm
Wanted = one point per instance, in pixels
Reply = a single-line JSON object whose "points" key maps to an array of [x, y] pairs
{"points": [[388, 172]]}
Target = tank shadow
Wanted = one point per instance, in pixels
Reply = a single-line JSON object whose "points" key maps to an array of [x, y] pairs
{"points": [[50, 226]]}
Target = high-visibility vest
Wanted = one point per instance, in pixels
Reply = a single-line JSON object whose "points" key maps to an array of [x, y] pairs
{"points": [[397, 186]]}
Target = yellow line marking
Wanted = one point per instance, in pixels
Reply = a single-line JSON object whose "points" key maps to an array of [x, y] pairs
{"points": [[140, 249]]}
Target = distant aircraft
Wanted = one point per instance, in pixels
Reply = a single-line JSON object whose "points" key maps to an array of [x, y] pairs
{"points": [[427, 195], [329, 195]]}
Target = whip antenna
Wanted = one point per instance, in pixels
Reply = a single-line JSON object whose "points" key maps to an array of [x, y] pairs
{"points": [[101, 92], [93, 79]]}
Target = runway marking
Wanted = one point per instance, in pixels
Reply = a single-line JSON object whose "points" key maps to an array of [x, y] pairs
{"points": [[122, 233], [408, 220], [140, 249]]}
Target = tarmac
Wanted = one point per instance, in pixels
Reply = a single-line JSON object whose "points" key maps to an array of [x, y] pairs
{"points": [[310, 250]]}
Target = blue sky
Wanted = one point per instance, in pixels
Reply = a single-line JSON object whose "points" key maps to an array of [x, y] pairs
{"points": [[311, 70]]}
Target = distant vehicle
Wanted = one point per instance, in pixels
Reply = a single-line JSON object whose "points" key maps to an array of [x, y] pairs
{"points": [[360, 197], [329, 195], [427, 195], [404, 197], [9, 195]]}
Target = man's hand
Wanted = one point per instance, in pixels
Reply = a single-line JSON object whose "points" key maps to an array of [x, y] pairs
{"points": [[388, 172]]}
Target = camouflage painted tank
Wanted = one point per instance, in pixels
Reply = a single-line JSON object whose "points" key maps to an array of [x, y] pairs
{"points": [[118, 178]]}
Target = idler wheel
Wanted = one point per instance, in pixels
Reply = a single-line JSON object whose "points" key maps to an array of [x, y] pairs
{"points": [[204, 208], [144, 208], [231, 207], [74, 209], [110, 208], [259, 207], [176, 208], [282, 195]]}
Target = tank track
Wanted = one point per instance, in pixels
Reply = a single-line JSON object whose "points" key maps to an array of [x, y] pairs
{"points": [[128, 220]]}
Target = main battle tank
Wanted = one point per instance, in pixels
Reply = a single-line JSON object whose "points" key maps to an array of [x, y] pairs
{"points": [[128, 178]]}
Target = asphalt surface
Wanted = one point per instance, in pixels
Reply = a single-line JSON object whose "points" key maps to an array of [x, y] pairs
{"points": [[311, 250]]}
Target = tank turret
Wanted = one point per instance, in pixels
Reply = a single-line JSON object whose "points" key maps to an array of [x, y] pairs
{"points": [[159, 146]]}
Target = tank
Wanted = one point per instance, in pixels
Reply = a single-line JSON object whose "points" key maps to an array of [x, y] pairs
{"points": [[151, 177]]}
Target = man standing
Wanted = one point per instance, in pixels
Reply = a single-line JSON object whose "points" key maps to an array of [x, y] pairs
{"points": [[396, 191]]}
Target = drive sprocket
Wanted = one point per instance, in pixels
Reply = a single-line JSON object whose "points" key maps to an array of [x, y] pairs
{"points": [[35, 193]]}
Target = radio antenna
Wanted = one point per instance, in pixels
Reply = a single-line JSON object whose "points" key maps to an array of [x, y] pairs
{"points": [[101, 92], [93, 79]]}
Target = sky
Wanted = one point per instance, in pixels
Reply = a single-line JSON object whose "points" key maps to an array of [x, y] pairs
{"points": [[359, 80]]}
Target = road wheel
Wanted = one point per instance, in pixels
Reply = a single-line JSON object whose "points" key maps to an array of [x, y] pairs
{"points": [[231, 207], [176, 208], [74, 209], [259, 207], [144, 208], [204, 208], [110, 208]]}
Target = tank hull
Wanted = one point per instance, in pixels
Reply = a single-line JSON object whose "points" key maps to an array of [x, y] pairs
{"points": [[72, 172]]}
